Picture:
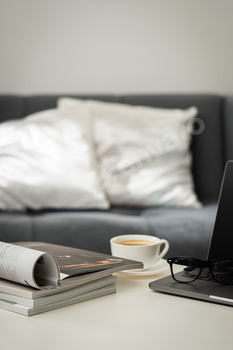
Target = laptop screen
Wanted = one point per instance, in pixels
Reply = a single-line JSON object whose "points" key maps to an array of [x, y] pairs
{"points": [[221, 245]]}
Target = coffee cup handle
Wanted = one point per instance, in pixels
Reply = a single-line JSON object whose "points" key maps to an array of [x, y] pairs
{"points": [[165, 249]]}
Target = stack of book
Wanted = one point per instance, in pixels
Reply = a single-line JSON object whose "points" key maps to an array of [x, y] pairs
{"points": [[39, 277]]}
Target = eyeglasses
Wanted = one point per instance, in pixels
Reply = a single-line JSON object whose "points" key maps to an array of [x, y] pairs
{"points": [[220, 270]]}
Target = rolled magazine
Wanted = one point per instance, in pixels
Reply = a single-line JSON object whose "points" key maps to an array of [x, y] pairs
{"points": [[28, 266]]}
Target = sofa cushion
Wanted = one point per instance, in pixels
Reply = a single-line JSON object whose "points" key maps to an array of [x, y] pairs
{"points": [[188, 230], [47, 161], [208, 146], [143, 152], [90, 230], [15, 227]]}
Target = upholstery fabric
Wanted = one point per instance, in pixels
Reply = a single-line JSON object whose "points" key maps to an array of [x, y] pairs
{"points": [[188, 231], [208, 148], [86, 230], [47, 161], [143, 152], [15, 227]]}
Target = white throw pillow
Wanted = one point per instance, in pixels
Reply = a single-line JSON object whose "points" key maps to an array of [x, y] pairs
{"points": [[47, 161], [143, 152]]}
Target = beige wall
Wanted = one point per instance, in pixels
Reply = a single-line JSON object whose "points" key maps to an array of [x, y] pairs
{"points": [[121, 46]]}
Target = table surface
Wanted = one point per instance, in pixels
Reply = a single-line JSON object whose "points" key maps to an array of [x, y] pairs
{"points": [[132, 318]]}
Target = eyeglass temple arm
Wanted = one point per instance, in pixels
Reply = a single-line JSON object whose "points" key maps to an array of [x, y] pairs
{"points": [[205, 263]]}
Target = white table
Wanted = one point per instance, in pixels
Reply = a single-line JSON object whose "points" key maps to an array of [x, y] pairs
{"points": [[133, 318]]}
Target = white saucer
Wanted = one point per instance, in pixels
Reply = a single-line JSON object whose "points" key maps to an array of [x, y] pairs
{"points": [[160, 266]]}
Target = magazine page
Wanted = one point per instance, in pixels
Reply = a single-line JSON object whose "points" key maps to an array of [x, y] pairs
{"points": [[74, 261], [28, 266]]}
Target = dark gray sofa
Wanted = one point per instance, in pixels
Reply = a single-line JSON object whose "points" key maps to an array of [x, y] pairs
{"points": [[187, 230]]}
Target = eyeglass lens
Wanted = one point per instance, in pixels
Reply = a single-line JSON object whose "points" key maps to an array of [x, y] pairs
{"points": [[223, 271], [191, 269]]}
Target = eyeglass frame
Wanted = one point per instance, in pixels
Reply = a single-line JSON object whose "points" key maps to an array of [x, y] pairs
{"points": [[204, 264]]}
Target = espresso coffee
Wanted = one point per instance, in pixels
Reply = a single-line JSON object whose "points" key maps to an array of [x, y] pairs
{"points": [[136, 242], [144, 248]]}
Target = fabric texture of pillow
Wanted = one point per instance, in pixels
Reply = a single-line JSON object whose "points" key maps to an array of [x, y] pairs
{"points": [[47, 161], [144, 152]]}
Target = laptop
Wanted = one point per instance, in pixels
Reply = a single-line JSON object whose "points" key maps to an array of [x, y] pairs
{"points": [[221, 247]]}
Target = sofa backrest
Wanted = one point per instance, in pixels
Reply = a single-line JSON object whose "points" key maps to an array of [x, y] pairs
{"points": [[210, 149]]}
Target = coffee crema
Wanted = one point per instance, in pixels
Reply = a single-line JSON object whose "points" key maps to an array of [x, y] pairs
{"points": [[136, 242]]}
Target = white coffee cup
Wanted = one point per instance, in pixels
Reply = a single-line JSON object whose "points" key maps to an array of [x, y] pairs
{"points": [[142, 248]]}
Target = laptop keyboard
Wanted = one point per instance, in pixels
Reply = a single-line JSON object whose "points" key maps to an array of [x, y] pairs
{"points": [[206, 275]]}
